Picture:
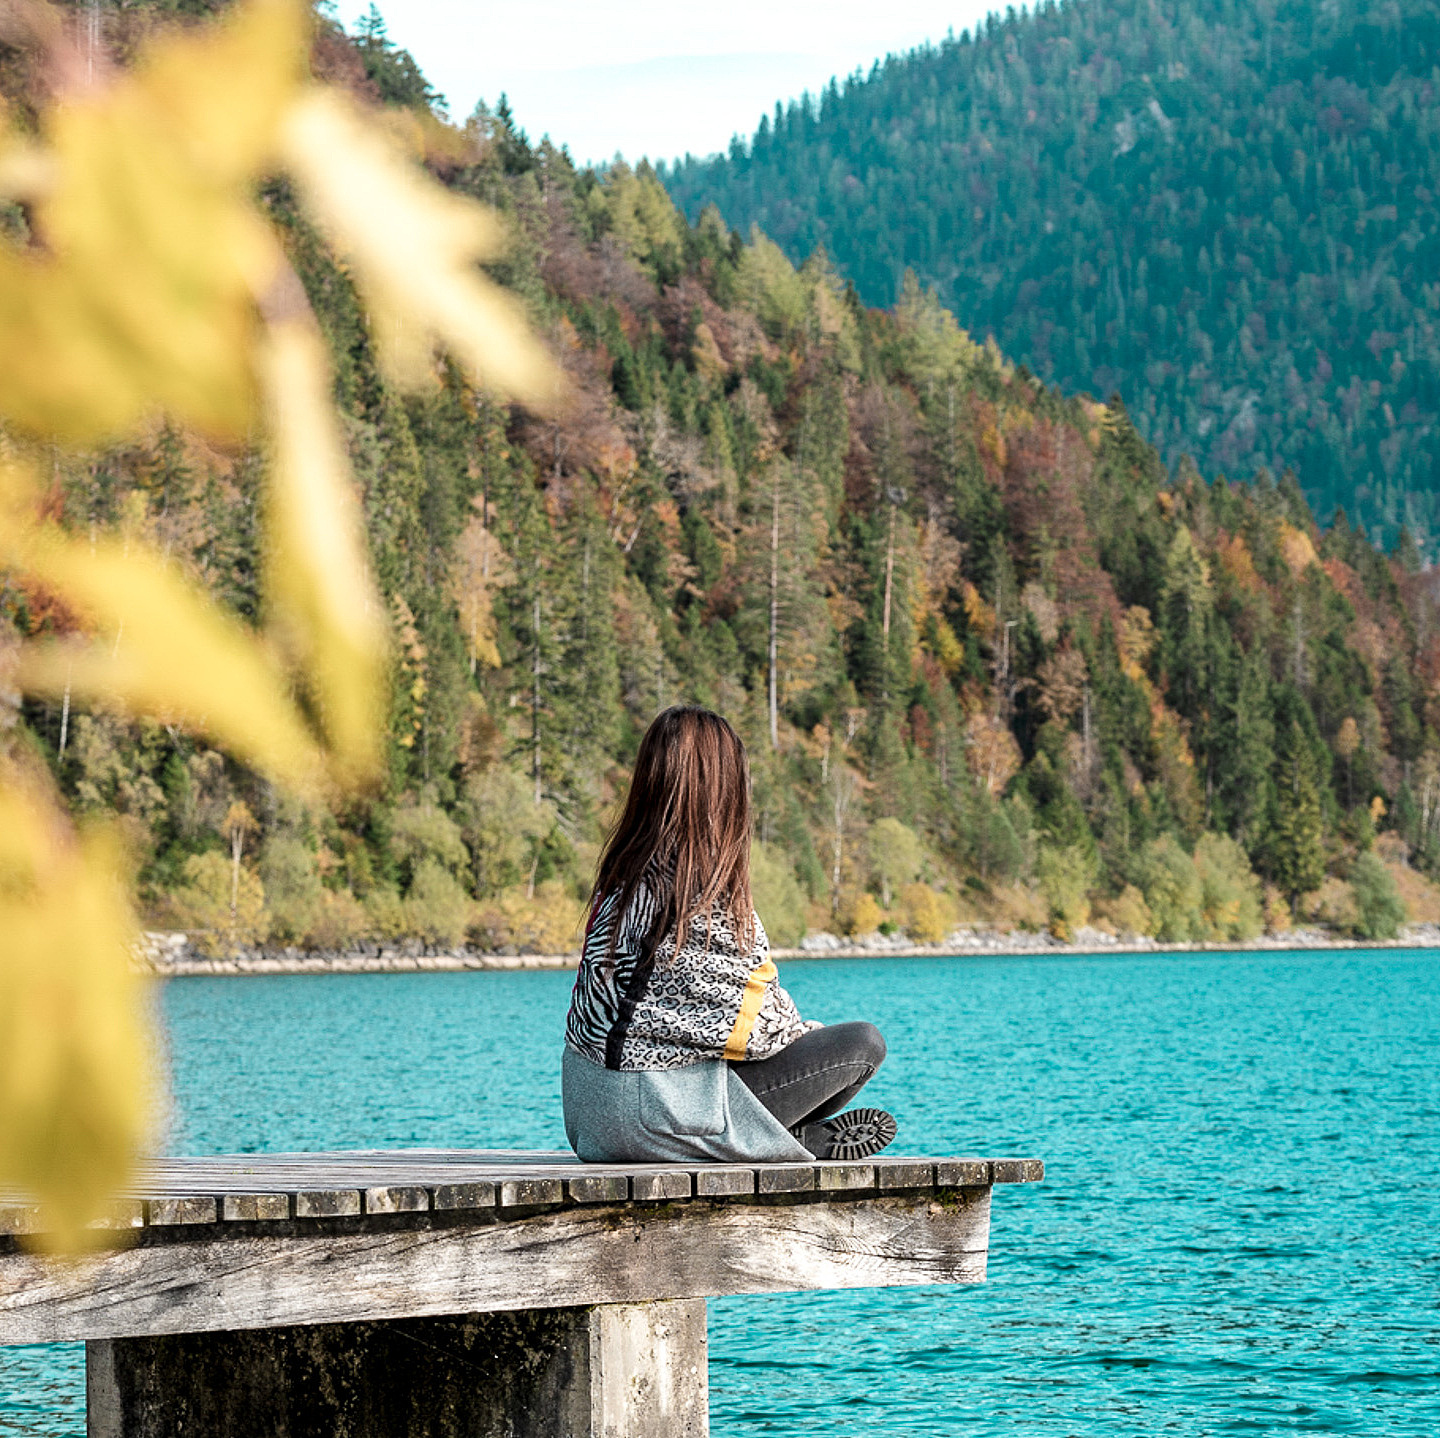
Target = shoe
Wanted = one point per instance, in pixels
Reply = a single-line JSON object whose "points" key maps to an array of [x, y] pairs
{"points": [[857, 1134]]}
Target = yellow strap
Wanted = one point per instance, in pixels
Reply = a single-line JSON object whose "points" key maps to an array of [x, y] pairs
{"points": [[761, 977]]}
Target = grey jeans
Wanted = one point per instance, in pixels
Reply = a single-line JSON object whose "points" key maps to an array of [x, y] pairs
{"points": [[817, 1075]]}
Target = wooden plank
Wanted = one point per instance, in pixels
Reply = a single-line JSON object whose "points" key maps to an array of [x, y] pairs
{"points": [[904, 1173], [528, 1192], [723, 1181], [18, 1218], [663, 1184], [599, 1188], [330, 1185], [396, 1199], [255, 1207], [845, 1177], [962, 1173], [125, 1214], [173, 1212], [560, 1258], [785, 1178], [454, 1196], [327, 1203]]}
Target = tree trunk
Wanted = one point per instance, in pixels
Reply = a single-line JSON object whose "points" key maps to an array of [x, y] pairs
{"points": [[64, 717], [889, 579], [237, 844]]}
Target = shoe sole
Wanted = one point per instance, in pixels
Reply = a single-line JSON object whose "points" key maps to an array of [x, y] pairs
{"points": [[858, 1134]]}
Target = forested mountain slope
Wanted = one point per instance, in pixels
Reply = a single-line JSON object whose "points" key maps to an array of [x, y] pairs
{"points": [[988, 658], [1228, 212]]}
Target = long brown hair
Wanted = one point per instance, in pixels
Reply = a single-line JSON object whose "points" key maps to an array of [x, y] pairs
{"points": [[688, 811]]}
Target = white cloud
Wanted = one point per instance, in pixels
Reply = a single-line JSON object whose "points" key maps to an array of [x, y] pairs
{"points": [[649, 78]]}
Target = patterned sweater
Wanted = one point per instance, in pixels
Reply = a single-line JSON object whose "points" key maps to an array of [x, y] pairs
{"points": [[670, 1010]]}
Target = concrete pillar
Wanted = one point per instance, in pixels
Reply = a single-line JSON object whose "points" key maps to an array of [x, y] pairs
{"points": [[614, 1371]]}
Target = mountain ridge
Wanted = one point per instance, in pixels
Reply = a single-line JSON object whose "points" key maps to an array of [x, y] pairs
{"points": [[1227, 217]]}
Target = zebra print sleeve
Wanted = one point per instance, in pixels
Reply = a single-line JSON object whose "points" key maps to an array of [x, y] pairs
{"points": [[598, 1001]]}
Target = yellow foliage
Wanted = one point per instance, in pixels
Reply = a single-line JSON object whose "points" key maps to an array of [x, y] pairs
{"points": [[1420, 896], [413, 248], [705, 352], [1015, 906], [315, 567], [979, 615], [866, 916], [143, 296], [1137, 640], [947, 647], [928, 913], [481, 567], [547, 923], [75, 1045], [991, 751], [162, 648], [1127, 913], [1296, 548], [220, 906], [1276, 911], [1333, 904], [1235, 555], [340, 923]]}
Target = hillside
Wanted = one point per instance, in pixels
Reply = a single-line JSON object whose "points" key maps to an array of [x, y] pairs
{"points": [[988, 658], [1228, 213]]}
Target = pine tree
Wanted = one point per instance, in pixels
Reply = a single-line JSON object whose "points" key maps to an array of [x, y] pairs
{"points": [[1294, 844]]}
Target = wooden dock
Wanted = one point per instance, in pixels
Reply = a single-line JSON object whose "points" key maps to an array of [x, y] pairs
{"points": [[441, 1293]]}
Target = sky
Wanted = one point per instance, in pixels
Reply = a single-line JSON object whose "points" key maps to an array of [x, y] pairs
{"points": [[656, 78]]}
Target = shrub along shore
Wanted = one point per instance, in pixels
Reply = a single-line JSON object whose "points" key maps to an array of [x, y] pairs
{"points": [[173, 956]]}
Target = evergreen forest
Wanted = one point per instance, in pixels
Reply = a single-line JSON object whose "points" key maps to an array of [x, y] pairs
{"points": [[1225, 211], [992, 659]]}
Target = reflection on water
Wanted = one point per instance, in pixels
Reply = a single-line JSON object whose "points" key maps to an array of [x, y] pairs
{"points": [[1237, 1232]]}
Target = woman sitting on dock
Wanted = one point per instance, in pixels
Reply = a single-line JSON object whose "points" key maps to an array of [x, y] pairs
{"points": [[680, 1043]]}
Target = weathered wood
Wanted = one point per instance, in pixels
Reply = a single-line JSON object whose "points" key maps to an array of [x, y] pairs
{"points": [[845, 1177], [172, 1212], [234, 1278], [599, 1188], [905, 1173], [255, 1207], [319, 1186], [661, 1185], [720, 1182], [463, 1196], [961, 1172], [618, 1371], [785, 1178], [327, 1203], [528, 1192], [396, 1199]]}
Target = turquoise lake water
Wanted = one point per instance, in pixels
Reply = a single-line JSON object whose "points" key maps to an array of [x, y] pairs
{"points": [[1239, 1230]]}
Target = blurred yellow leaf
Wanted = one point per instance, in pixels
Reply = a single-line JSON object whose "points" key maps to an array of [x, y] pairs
{"points": [[75, 1049], [139, 294], [413, 246], [316, 574], [166, 650]]}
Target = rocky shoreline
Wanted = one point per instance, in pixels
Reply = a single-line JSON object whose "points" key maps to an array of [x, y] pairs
{"points": [[173, 955]]}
